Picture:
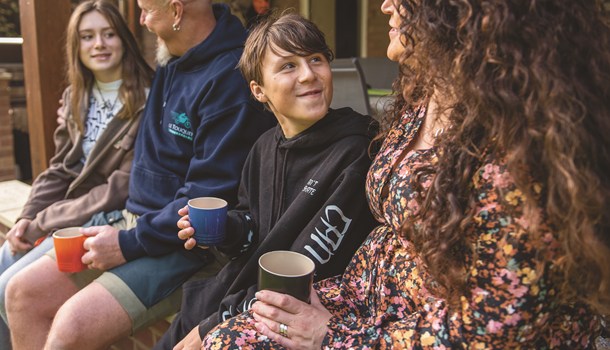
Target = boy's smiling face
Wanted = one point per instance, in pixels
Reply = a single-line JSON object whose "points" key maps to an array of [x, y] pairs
{"points": [[297, 89]]}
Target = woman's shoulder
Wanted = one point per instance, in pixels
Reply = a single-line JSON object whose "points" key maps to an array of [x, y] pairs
{"points": [[497, 188]]}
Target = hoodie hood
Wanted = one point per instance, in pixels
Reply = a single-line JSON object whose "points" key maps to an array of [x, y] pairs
{"points": [[334, 126], [227, 35]]}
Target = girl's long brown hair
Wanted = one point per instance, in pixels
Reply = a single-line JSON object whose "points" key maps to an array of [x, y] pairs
{"points": [[531, 82], [136, 73]]}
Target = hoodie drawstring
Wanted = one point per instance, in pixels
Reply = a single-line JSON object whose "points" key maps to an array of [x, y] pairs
{"points": [[278, 202]]}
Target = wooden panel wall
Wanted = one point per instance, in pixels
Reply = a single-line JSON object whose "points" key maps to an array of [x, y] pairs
{"points": [[43, 23]]}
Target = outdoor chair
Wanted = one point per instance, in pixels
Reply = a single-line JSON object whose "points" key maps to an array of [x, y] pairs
{"points": [[349, 85]]}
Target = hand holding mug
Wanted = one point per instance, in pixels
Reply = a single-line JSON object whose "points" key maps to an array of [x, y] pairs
{"points": [[104, 251], [290, 322], [69, 249], [208, 217], [187, 231]]}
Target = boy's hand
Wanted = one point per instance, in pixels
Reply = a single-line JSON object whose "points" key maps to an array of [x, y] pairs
{"points": [[186, 232]]}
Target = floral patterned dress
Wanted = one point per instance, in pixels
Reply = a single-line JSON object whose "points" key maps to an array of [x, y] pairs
{"points": [[382, 302]]}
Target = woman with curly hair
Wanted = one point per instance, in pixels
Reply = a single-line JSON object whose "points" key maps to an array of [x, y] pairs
{"points": [[491, 186]]}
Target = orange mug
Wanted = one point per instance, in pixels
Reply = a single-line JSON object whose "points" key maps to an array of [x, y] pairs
{"points": [[69, 249]]}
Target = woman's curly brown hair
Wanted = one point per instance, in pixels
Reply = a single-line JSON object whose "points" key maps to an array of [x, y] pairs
{"points": [[532, 82]]}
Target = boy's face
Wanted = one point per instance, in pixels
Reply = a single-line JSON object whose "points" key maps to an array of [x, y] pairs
{"points": [[297, 89]]}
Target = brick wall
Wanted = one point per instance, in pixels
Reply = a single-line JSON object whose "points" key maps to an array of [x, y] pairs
{"points": [[7, 158]]}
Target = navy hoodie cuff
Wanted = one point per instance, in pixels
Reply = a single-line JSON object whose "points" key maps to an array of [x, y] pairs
{"points": [[130, 247]]}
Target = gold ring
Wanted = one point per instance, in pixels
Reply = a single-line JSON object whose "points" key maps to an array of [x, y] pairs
{"points": [[283, 330]]}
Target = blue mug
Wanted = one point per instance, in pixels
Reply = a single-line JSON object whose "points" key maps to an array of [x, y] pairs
{"points": [[208, 216]]}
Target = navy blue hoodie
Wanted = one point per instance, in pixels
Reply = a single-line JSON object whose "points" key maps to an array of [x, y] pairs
{"points": [[197, 129]]}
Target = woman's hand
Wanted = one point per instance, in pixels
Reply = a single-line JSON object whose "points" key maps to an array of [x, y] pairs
{"points": [[191, 341], [186, 232], [61, 113], [305, 323], [15, 239]]}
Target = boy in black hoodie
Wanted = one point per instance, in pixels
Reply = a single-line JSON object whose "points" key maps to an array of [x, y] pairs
{"points": [[302, 186]]}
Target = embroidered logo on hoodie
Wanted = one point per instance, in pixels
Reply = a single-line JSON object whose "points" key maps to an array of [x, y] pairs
{"points": [[181, 126]]}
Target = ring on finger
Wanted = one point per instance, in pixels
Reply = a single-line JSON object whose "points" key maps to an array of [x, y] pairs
{"points": [[283, 330]]}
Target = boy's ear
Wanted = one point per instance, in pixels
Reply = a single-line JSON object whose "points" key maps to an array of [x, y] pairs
{"points": [[257, 92]]}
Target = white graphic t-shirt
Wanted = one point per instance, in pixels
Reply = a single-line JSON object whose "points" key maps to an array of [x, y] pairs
{"points": [[104, 104]]}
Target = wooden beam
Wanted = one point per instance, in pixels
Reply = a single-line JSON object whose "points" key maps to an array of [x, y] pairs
{"points": [[133, 18], [43, 24]]}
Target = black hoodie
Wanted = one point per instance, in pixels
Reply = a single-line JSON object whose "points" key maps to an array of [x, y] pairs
{"points": [[304, 194]]}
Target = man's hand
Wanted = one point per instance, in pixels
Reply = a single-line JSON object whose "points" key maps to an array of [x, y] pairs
{"points": [[103, 247], [15, 239], [191, 341]]}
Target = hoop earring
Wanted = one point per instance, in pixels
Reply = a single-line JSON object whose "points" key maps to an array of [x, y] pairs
{"points": [[176, 27]]}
